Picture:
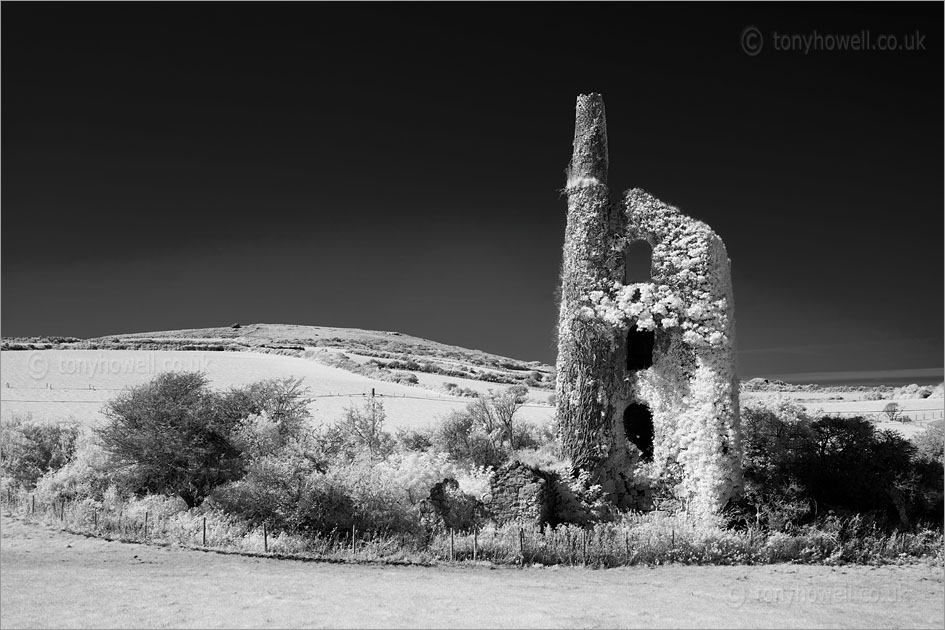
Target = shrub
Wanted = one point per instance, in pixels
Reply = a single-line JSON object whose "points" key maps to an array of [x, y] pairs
{"points": [[796, 467], [283, 402], [449, 508], [380, 493], [174, 435], [930, 445], [455, 390], [773, 433], [85, 476], [459, 435], [495, 414], [363, 428], [28, 450], [414, 439], [286, 493], [406, 378]]}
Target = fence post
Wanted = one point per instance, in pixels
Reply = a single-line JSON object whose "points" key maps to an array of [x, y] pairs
{"points": [[94, 521], [628, 546], [145, 524], [265, 539], [451, 544], [354, 541], [475, 543], [33, 504], [62, 510], [204, 531], [584, 546], [521, 543]]}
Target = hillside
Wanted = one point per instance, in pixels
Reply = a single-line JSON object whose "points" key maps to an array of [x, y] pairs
{"points": [[60, 379], [381, 349], [63, 378]]}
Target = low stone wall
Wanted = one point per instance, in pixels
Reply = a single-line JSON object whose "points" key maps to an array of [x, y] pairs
{"points": [[522, 494]]}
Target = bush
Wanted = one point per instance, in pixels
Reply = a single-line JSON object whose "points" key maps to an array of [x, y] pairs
{"points": [[286, 493], [28, 450], [414, 439], [930, 445], [363, 428], [449, 508], [283, 403], [459, 435], [455, 390], [406, 378], [174, 435], [796, 467], [85, 476]]}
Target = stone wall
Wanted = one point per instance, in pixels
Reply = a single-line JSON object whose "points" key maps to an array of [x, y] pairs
{"points": [[521, 494]]}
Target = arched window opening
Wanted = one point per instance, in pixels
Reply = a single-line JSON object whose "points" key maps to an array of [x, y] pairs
{"points": [[638, 262], [640, 348], [638, 425]]}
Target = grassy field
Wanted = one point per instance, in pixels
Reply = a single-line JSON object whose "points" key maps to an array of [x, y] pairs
{"points": [[921, 411], [72, 383], [54, 579], [62, 385]]}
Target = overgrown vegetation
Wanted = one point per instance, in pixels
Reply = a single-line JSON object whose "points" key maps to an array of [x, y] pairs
{"points": [[263, 475], [798, 468]]}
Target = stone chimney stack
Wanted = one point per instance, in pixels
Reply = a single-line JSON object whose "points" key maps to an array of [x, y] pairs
{"points": [[587, 348], [589, 159]]}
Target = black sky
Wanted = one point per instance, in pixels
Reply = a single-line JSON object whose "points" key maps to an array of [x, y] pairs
{"points": [[398, 167]]}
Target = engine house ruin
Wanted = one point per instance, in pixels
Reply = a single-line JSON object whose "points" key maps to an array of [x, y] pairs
{"points": [[646, 386]]}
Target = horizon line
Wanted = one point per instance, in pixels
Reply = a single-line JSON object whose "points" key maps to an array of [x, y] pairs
{"points": [[858, 375]]}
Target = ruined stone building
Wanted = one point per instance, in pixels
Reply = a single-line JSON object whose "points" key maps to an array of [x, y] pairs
{"points": [[646, 385]]}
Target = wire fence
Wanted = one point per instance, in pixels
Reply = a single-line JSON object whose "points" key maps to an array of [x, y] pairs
{"points": [[636, 539], [355, 395], [916, 414], [513, 543]]}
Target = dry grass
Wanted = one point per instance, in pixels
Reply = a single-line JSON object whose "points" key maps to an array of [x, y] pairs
{"points": [[636, 539]]}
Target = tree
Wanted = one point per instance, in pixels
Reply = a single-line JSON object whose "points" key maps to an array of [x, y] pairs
{"points": [[364, 426], [282, 402], [893, 411], [174, 435], [495, 413]]}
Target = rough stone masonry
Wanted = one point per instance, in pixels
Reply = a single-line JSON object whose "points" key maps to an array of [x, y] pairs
{"points": [[646, 386]]}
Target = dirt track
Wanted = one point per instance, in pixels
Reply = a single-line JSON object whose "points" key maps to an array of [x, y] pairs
{"points": [[54, 579]]}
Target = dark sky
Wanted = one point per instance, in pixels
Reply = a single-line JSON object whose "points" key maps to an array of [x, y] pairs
{"points": [[398, 167]]}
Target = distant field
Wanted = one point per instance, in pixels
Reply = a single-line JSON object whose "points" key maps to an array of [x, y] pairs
{"points": [[921, 411], [65, 385]]}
